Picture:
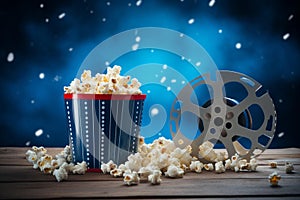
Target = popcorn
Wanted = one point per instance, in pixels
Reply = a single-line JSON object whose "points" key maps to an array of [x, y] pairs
{"points": [[106, 168], [110, 83], [174, 172], [116, 172], [196, 166], [61, 173], [253, 164], [154, 178], [80, 168], [131, 178], [274, 179], [273, 164], [289, 167], [228, 164], [208, 167], [219, 167], [207, 152]]}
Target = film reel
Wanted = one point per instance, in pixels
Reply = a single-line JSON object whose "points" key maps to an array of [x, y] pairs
{"points": [[237, 114]]}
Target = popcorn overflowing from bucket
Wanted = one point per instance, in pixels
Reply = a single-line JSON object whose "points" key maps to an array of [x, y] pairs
{"points": [[110, 83]]}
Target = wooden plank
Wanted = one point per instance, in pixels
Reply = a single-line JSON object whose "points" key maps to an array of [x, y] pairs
{"points": [[27, 173], [170, 187]]}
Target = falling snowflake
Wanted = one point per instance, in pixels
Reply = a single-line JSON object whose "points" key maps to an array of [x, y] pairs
{"points": [[168, 88], [91, 11], [148, 91], [281, 134], [291, 17], [165, 66], [104, 19], [182, 82], [41, 75], [41, 5], [39, 132], [108, 3], [139, 2], [181, 35], [57, 78], [135, 47], [106, 63], [280, 100], [152, 50], [211, 3], [220, 30], [32, 101], [286, 36], [238, 45], [154, 111], [191, 21], [129, 4], [138, 39], [163, 79], [10, 57], [198, 64], [173, 81], [62, 15], [27, 143], [47, 20]]}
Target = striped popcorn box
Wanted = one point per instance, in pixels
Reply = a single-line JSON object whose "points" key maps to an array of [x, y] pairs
{"points": [[103, 127]]}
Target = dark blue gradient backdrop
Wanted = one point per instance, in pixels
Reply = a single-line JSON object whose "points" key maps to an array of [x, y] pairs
{"points": [[54, 37]]}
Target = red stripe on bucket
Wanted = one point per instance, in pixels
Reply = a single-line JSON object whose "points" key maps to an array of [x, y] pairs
{"points": [[106, 96]]}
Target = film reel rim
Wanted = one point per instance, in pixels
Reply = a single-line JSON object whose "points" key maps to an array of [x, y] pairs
{"points": [[268, 107]]}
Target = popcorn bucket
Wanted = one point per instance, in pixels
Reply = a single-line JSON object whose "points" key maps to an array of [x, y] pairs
{"points": [[103, 127]]}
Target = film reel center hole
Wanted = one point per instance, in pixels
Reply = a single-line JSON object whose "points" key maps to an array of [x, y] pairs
{"points": [[228, 125]]}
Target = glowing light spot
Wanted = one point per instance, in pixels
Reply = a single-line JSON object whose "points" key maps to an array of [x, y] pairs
{"points": [[41, 75], [156, 75], [191, 21], [280, 100], [48, 136], [108, 3], [163, 79], [139, 2], [173, 81], [281, 134], [27, 143], [182, 82], [291, 17], [211, 3], [47, 20], [148, 91], [39, 132], [129, 4], [70, 49], [62, 15], [220, 31], [107, 63], [198, 64], [154, 112], [41, 5], [32, 101], [10, 57], [165, 66], [182, 57], [181, 35], [135, 47], [168, 88], [91, 11], [138, 39], [238, 45], [57, 78], [286, 36], [104, 19], [152, 50]]}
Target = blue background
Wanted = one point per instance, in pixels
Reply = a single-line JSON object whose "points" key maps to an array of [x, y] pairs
{"points": [[58, 47]]}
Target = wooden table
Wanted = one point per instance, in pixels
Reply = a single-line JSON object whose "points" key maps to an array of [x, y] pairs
{"points": [[19, 180]]}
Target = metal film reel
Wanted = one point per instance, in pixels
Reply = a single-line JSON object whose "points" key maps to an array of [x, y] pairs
{"points": [[237, 115]]}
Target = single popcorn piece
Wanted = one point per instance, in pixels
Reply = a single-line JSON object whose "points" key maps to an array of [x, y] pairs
{"points": [[131, 178], [289, 167], [154, 178], [107, 167], [208, 167], [174, 172], [196, 166], [61, 173], [219, 167], [110, 83], [253, 164], [273, 164], [80, 168], [274, 179], [228, 164], [116, 172]]}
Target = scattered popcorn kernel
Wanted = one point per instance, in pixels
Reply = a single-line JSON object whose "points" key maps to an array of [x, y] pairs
{"points": [[253, 164], [219, 167], [174, 172], [116, 172], [60, 174], [196, 166], [273, 164], [289, 167], [106, 168], [154, 178], [228, 164], [80, 168], [274, 179], [208, 167], [131, 178]]}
